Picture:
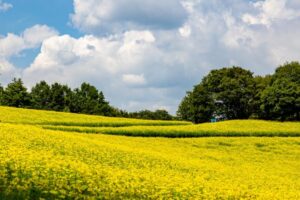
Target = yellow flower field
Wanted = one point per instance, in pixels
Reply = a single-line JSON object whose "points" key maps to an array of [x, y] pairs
{"points": [[231, 128], [36, 163], [26, 116]]}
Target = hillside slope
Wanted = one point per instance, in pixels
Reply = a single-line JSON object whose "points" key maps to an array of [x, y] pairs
{"points": [[51, 164]]}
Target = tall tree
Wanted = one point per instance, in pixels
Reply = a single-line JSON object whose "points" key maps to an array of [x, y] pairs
{"points": [[16, 94], [261, 83], [232, 90], [281, 100], [40, 95], [1, 94], [162, 115], [59, 97], [202, 104], [87, 99], [184, 111], [228, 93]]}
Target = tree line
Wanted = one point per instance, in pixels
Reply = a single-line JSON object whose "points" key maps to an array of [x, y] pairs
{"points": [[235, 93], [227, 93], [58, 97]]}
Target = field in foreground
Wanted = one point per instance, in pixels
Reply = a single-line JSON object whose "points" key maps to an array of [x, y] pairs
{"points": [[52, 164]]}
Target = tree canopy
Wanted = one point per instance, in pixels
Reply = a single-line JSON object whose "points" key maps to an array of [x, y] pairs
{"points": [[86, 99], [234, 93]]}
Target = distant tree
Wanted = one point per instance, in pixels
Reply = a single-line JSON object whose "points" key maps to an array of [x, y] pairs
{"points": [[143, 114], [185, 111], [104, 106], [289, 71], [261, 83], [59, 97], [87, 99], [40, 95], [203, 104], [281, 100], [232, 90], [1, 94], [227, 93], [16, 94], [162, 115], [153, 115]]}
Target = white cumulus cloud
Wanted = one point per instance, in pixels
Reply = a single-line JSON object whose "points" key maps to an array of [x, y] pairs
{"points": [[5, 6], [98, 16], [32, 37], [270, 11], [134, 79], [13, 45]]}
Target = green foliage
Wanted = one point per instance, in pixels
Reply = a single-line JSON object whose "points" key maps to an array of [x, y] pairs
{"points": [[41, 95], [261, 83], [86, 99], [233, 93], [289, 71], [16, 94], [59, 97], [228, 93], [202, 104], [232, 90], [1, 94], [281, 99], [147, 114], [184, 111], [197, 106]]}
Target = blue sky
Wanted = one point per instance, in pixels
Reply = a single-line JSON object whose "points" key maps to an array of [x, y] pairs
{"points": [[143, 54], [26, 13]]}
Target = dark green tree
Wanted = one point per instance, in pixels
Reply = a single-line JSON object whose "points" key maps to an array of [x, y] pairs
{"points": [[261, 83], [281, 100], [1, 94], [289, 71], [184, 111], [232, 90], [16, 95], [203, 104], [40, 95], [162, 115], [225, 93], [87, 99], [59, 97]]}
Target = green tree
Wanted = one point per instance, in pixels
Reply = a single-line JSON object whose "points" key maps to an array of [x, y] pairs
{"points": [[1, 94], [40, 95], [232, 90], [59, 97], [261, 83], [202, 104], [161, 114], [184, 111], [281, 100], [87, 99], [228, 93], [16, 95], [289, 71]]}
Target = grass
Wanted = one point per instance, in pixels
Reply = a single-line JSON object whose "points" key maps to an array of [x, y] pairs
{"points": [[37, 163]]}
